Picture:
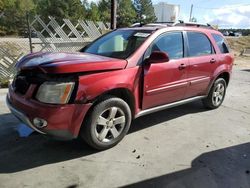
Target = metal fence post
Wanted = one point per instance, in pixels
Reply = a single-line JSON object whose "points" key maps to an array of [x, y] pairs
{"points": [[29, 31]]}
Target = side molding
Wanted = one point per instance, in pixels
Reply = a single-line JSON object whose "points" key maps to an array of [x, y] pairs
{"points": [[166, 106]]}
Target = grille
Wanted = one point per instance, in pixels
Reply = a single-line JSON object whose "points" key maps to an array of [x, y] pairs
{"points": [[24, 79]]}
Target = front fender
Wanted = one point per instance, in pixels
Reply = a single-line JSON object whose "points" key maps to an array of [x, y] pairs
{"points": [[94, 85]]}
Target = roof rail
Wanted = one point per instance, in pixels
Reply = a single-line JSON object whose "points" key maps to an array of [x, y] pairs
{"points": [[155, 24], [169, 24], [159, 24], [192, 24]]}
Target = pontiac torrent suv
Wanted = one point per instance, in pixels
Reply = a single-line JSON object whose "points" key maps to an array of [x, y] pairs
{"points": [[94, 94]]}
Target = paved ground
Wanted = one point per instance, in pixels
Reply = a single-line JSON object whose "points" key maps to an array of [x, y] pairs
{"points": [[185, 146]]}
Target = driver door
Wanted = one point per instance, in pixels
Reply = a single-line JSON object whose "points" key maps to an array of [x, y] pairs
{"points": [[165, 82]]}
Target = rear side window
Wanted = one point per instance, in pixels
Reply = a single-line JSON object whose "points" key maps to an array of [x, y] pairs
{"points": [[221, 43], [171, 43], [199, 44]]}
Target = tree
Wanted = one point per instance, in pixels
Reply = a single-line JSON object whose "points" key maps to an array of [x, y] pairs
{"points": [[93, 12], [1, 6], [71, 9], [126, 13], [55, 8], [104, 10], [24, 7], [14, 21], [145, 8], [193, 19], [76, 9]]}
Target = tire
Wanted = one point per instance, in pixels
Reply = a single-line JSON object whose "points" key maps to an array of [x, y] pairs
{"points": [[216, 94], [107, 123]]}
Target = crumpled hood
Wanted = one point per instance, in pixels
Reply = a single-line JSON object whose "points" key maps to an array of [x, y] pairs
{"points": [[58, 62]]}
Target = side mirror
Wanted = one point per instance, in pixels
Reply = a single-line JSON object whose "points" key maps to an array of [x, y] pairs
{"points": [[158, 57]]}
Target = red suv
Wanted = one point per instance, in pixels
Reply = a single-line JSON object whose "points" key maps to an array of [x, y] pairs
{"points": [[125, 74]]}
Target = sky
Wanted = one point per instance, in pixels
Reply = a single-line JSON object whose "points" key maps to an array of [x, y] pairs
{"points": [[225, 14]]}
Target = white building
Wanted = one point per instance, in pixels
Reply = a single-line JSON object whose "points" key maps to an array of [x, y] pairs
{"points": [[166, 12]]}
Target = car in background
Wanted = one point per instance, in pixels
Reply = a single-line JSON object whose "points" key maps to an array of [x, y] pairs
{"points": [[33, 34], [234, 34]]}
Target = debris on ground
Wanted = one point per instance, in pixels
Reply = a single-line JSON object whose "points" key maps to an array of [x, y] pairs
{"points": [[24, 131]]}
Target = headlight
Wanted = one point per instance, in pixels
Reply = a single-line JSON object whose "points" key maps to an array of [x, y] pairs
{"points": [[54, 92]]}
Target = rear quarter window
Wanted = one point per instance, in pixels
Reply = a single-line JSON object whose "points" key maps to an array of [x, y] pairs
{"points": [[221, 43]]}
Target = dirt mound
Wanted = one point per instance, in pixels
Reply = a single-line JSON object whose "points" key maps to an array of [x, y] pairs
{"points": [[239, 46]]}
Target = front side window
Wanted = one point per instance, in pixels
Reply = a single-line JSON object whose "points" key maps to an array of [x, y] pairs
{"points": [[199, 44], [118, 44], [170, 43], [221, 42]]}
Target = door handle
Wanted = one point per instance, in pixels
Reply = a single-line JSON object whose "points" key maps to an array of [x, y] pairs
{"points": [[182, 66], [212, 60]]}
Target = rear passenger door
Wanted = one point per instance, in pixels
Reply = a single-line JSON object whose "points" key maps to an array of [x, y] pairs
{"points": [[202, 63]]}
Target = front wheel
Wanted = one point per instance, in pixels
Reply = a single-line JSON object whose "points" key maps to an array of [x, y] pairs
{"points": [[216, 94], [107, 124]]}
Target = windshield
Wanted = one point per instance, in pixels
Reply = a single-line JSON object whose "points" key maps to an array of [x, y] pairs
{"points": [[118, 44]]}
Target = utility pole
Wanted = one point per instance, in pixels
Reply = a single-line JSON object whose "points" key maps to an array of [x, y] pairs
{"points": [[113, 13], [191, 11]]}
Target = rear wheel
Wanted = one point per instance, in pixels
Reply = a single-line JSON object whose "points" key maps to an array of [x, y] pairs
{"points": [[216, 94], [107, 124]]}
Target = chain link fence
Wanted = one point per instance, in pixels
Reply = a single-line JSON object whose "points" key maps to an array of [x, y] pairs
{"points": [[48, 36]]}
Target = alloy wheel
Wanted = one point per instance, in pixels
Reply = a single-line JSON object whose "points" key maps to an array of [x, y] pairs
{"points": [[110, 124], [218, 94]]}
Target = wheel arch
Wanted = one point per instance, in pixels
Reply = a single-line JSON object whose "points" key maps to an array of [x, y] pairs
{"points": [[225, 76], [123, 93]]}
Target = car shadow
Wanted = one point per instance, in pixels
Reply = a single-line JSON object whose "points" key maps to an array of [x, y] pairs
{"points": [[19, 154], [224, 168]]}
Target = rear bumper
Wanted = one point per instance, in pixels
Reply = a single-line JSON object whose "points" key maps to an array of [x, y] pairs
{"points": [[63, 121]]}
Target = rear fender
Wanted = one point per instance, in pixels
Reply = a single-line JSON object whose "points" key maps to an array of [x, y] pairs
{"points": [[220, 69]]}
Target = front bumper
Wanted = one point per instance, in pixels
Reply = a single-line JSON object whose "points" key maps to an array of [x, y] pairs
{"points": [[63, 121], [22, 117]]}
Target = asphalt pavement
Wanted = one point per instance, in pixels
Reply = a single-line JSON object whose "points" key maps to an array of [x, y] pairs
{"points": [[186, 146]]}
